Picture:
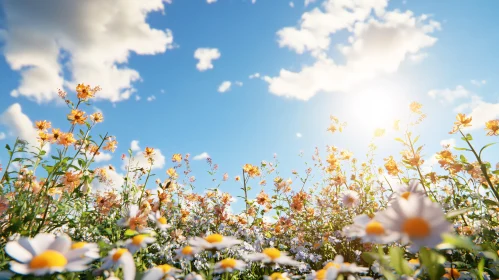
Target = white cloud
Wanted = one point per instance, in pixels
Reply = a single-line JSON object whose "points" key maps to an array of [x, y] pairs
{"points": [[47, 41], [139, 159], [429, 164], [451, 143], [378, 44], [291, 4], [162, 91], [151, 98], [137, 97], [308, 2], [418, 57], [253, 76], [134, 145], [478, 83], [211, 1], [103, 157], [449, 95], [203, 155], [2, 135], [238, 83], [20, 125], [299, 135], [224, 86], [481, 111], [205, 57], [115, 179]]}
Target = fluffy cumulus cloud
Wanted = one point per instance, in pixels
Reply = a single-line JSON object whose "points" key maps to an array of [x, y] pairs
{"points": [[103, 157], [134, 145], [47, 41], [20, 125], [201, 156], [450, 143], [224, 86], [205, 57], [140, 161], [211, 1], [115, 181], [379, 42], [449, 95], [478, 83], [2, 135], [299, 135], [481, 111]]}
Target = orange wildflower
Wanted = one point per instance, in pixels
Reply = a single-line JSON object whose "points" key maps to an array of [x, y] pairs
{"points": [[77, 117]]}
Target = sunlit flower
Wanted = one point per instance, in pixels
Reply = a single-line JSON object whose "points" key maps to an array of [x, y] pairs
{"points": [[251, 170], [405, 191], [379, 132], [238, 178], [111, 145], [416, 107], [273, 256], [176, 158], [42, 125], [229, 265], [138, 242], [149, 152], [120, 257], [46, 254], [214, 242], [133, 218], [77, 117], [350, 198], [391, 166], [339, 266], [417, 220], [84, 92], [462, 120], [451, 273], [172, 173], [92, 249], [160, 221], [187, 252], [492, 127], [369, 230], [97, 117], [66, 139], [160, 272]]}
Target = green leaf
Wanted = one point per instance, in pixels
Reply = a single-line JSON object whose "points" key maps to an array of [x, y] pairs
{"points": [[462, 149], [490, 202], [481, 265], [7, 147], [458, 212], [433, 262], [398, 262], [484, 147], [130, 233], [458, 242]]}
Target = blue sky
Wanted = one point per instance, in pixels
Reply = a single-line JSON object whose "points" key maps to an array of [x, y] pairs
{"points": [[451, 51]]}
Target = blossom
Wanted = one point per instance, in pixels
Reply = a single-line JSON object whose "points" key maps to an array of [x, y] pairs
{"points": [[133, 219], [77, 117], [176, 158], [110, 145], [214, 242], [119, 257], [97, 117], [251, 170], [277, 276], [415, 107], [405, 191], [417, 220], [272, 256], [391, 166], [149, 152], [160, 271], [46, 254], [84, 92], [369, 230], [350, 198], [229, 265], [42, 125], [138, 241], [338, 266], [66, 139], [492, 127], [187, 252], [172, 173], [160, 221]]}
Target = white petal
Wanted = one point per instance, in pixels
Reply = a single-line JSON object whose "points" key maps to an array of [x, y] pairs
{"points": [[18, 252], [41, 242], [61, 244], [128, 265], [153, 274], [20, 268], [76, 266]]}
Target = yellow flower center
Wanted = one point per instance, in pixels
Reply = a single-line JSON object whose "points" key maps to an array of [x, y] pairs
{"points": [[48, 259], [78, 245], [214, 238], [228, 263], [117, 255], [375, 228], [187, 250], [405, 195], [416, 227], [272, 253], [138, 239], [414, 261], [331, 264], [162, 220], [320, 274], [165, 268], [277, 276]]}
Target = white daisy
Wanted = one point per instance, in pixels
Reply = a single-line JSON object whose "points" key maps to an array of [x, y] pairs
{"points": [[214, 242], [138, 241], [116, 258], [229, 265], [339, 266], [273, 256], [130, 213], [417, 220], [160, 221], [46, 254], [187, 252], [369, 230], [350, 198], [413, 188], [160, 272], [277, 276], [92, 249]]}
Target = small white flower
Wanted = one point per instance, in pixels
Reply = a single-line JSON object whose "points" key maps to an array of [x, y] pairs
{"points": [[92, 249], [193, 276], [160, 272], [277, 276], [350, 198], [214, 242], [46, 254], [160, 221], [229, 265], [187, 252], [339, 266], [138, 241], [119, 257], [273, 256], [369, 230], [131, 212], [404, 191], [417, 220]]}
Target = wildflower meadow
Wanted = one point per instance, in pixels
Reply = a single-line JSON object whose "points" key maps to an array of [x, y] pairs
{"points": [[337, 220]]}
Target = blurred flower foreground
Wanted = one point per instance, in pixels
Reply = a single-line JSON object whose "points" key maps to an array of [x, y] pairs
{"points": [[341, 218]]}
